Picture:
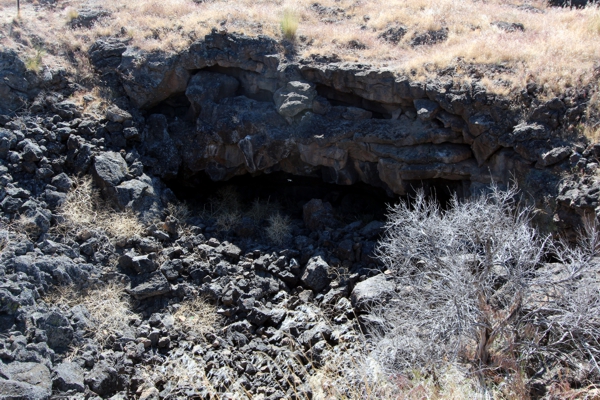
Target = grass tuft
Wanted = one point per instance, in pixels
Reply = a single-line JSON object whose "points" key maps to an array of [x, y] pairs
{"points": [[34, 63], [71, 14], [83, 210], [108, 307], [196, 316], [289, 24]]}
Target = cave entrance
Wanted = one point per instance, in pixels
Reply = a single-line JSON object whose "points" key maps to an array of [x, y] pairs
{"points": [[290, 192]]}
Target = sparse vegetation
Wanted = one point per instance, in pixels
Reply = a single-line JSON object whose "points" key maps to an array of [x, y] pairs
{"points": [[107, 305], [84, 210], [476, 290], [289, 24], [34, 63], [72, 14], [196, 316], [557, 48], [279, 228]]}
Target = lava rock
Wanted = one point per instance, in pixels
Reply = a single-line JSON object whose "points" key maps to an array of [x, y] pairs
{"points": [[150, 285], [103, 379], [106, 53], [68, 376], [116, 115], [372, 291], [318, 215], [109, 169], [294, 98], [210, 87], [316, 274], [25, 380]]}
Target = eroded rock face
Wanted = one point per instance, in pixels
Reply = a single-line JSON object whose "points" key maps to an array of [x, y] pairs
{"points": [[348, 123]]}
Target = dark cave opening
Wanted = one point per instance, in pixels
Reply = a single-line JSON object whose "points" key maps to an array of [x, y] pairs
{"points": [[338, 98], [291, 192], [244, 77], [176, 106]]}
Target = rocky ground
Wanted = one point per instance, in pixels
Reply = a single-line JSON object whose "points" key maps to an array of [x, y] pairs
{"points": [[112, 288], [280, 311]]}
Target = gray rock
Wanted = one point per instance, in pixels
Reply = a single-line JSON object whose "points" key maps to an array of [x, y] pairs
{"points": [[9, 303], [86, 18], [37, 222], [318, 215], [316, 274], [158, 144], [294, 98], [231, 251], [145, 264], [103, 379], [149, 78], [426, 109], [372, 291], [68, 376], [106, 53], [109, 169], [32, 152], [8, 140], [430, 37], [553, 156], [115, 114], [356, 114], [25, 380], [62, 182], [321, 105], [13, 84], [58, 330], [149, 285], [372, 229], [393, 34], [15, 390]]}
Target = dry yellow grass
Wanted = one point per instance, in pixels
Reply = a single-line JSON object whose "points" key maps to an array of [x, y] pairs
{"points": [[558, 47], [196, 316], [108, 306], [84, 210]]}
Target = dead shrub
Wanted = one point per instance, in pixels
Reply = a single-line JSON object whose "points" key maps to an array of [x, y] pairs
{"points": [[474, 289], [279, 229]]}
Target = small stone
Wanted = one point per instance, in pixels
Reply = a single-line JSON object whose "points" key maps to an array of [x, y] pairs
{"points": [[164, 342]]}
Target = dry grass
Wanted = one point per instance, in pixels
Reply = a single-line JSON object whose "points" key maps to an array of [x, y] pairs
{"points": [[83, 210], [5, 234], [196, 316], [558, 47], [34, 62], [108, 307]]}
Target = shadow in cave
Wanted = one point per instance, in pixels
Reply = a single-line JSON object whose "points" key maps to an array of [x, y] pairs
{"points": [[352, 202]]}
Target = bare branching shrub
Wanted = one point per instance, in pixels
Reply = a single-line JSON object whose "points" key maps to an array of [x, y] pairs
{"points": [[196, 316], [108, 306], [225, 207], [181, 211], [279, 229], [474, 288], [83, 209]]}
